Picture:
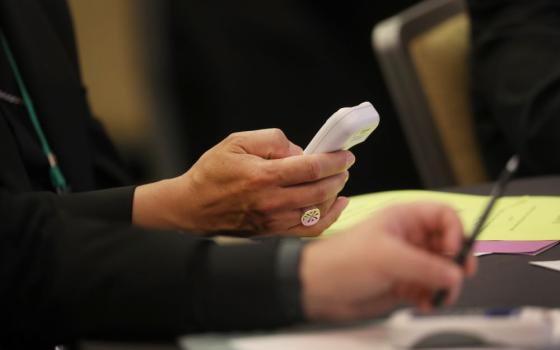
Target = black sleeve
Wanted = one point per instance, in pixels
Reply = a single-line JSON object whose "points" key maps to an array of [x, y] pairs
{"points": [[113, 204], [516, 82], [64, 278]]}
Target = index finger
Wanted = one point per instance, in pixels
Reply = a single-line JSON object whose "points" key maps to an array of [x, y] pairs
{"points": [[425, 269], [433, 225], [266, 143], [310, 167]]}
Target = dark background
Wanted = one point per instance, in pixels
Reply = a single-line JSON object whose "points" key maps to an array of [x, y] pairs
{"points": [[245, 65]]}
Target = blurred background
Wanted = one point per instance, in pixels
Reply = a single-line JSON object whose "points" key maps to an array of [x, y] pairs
{"points": [[171, 78]]}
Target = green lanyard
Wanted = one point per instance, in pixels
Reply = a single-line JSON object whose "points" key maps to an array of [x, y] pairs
{"points": [[57, 178]]}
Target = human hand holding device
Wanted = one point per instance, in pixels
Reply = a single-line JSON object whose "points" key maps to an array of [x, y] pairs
{"points": [[344, 129], [259, 182], [399, 255], [254, 182]]}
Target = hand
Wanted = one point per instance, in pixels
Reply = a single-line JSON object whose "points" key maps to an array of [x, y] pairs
{"points": [[255, 182], [402, 254]]}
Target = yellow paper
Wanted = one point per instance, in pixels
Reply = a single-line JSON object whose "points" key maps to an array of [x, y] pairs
{"points": [[514, 218]]}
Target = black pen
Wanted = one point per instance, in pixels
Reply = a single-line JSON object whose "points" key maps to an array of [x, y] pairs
{"points": [[497, 191]]}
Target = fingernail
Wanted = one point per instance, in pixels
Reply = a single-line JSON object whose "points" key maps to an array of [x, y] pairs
{"points": [[347, 177], [350, 159]]}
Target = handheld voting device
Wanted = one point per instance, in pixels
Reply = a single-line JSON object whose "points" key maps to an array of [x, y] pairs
{"points": [[345, 129], [525, 327]]}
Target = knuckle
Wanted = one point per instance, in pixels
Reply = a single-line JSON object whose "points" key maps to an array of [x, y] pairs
{"points": [[313, 169], [321, 194], [279, 139], [288, 201], [277, 134], [265, 207], [262, 177], [259, 177], [235, 137], [269, 173]]}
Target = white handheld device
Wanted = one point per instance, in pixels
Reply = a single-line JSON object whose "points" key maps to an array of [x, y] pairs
{"points": [[525, 327], [344, 129]]}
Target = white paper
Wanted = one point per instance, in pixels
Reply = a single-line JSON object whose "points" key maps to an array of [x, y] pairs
{"points": [[371, 337], [354, 339], [552, 265]]}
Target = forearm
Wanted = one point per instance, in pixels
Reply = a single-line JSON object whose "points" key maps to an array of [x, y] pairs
{"points": [[157, 206], [66, 278]]}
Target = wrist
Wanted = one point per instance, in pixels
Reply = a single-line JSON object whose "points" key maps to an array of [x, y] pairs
{"points": [[310, 279], [239, 288], [289, 279], [162, 205]]}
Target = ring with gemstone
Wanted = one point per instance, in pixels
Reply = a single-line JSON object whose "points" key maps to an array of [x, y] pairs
{"points": [[310, 217]]}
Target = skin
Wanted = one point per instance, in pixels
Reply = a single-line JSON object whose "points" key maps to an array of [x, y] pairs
{"points": [[260, 183], [401, 255], [251, 183]]}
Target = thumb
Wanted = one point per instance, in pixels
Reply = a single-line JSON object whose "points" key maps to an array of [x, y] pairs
{"points": [[266, 143]]}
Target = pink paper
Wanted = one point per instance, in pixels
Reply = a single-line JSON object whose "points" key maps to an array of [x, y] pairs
{"points": [[513, 247]]}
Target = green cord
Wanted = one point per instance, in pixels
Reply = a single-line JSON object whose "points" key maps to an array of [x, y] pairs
{"points": [[57, 178]]}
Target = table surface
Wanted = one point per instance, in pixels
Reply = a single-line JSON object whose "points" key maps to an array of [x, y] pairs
{"points": [[501, 280], [509, 280]]}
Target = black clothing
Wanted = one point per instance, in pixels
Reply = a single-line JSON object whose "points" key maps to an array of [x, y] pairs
{"points": [[72, 266], [40, 34], [286, 64], [65, 278], [516, 82]]}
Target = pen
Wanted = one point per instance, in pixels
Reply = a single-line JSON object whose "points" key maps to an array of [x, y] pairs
{"points": [[497, 191]]}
